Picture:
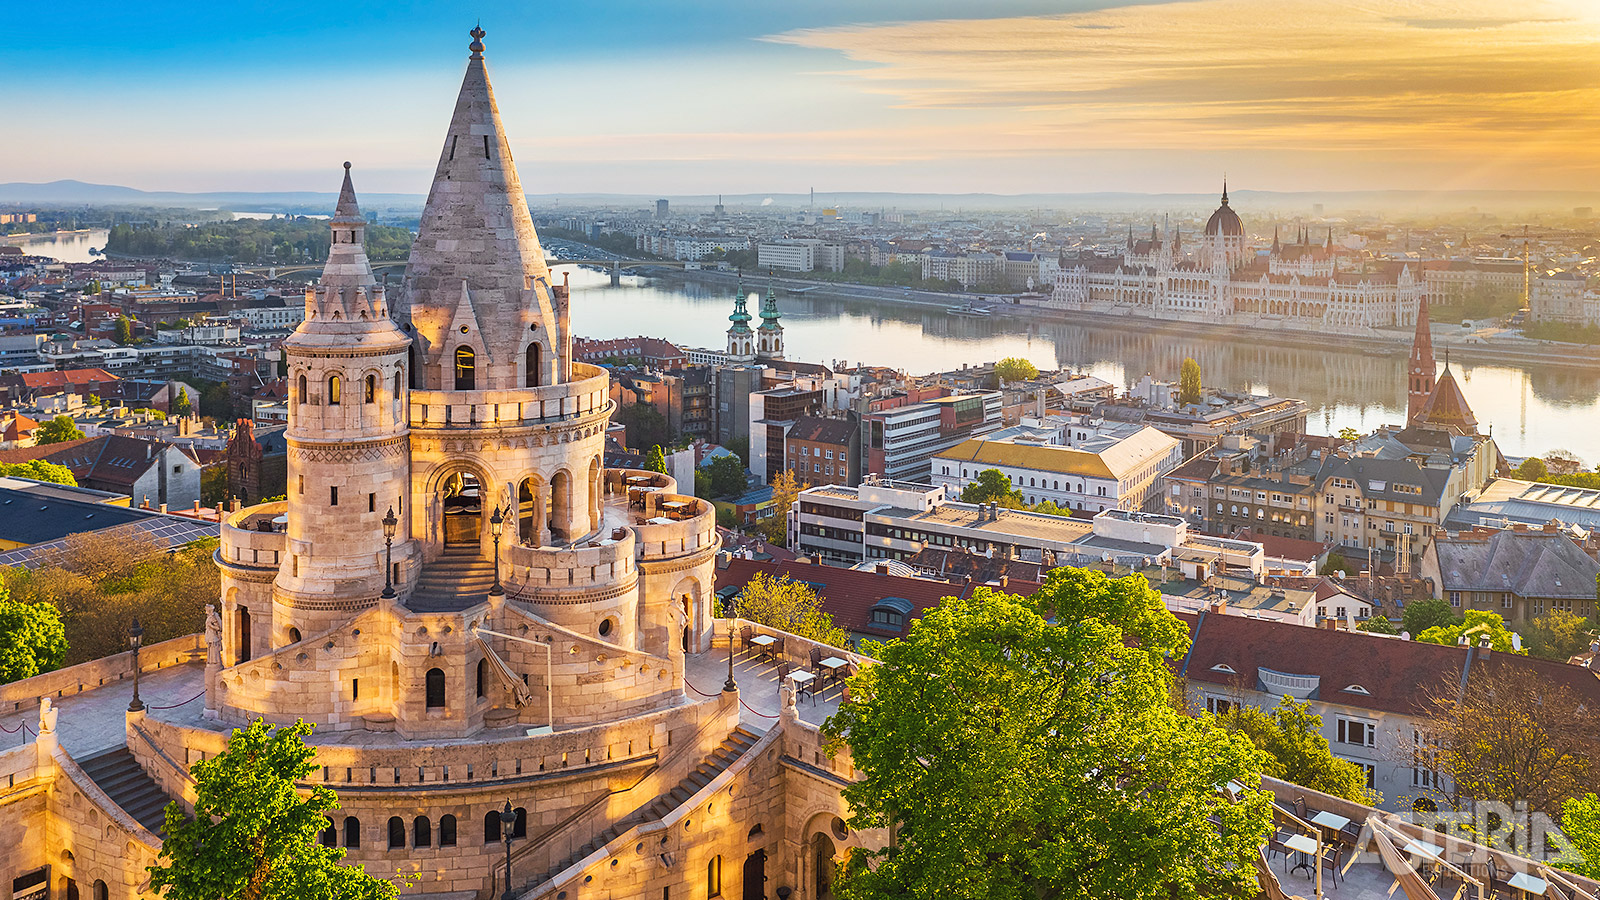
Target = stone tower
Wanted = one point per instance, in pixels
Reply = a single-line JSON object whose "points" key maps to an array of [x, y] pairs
{"points": [[741, 340], [1421, 368], [477, 297], [769, 340], [347, 438]]}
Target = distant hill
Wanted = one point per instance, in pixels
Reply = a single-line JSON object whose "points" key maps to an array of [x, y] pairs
{"points": [[1335, 203]]}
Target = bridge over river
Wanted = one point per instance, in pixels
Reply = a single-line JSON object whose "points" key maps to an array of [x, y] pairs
{"points": [[615, 266]]}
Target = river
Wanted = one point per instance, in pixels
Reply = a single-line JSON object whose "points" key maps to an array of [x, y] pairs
{"points": [[1529, 409], [67, 246]]}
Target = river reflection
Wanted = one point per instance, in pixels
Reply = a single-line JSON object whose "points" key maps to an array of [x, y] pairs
{"points": [[1530, 410], [67, 246]]}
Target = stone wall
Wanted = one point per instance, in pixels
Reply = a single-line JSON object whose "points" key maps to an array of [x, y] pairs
{"points": [[25, 694]]}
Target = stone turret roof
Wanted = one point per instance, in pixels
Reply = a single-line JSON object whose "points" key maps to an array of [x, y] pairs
{"points": [[477, 262], [348, 304], [1447, 408]]}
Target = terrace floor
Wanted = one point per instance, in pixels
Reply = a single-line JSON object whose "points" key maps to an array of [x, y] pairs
{"points": [[95, 720], [759, 690]]}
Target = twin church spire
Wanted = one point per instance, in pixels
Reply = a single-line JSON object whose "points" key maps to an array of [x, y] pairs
{"points": [[765, 342]]}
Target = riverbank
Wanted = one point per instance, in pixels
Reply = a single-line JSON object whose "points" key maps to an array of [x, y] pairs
{"points": [[1483, 346]]}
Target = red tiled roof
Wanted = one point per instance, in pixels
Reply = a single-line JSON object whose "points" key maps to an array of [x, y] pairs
{"points": [[849, 595], [107, 459], [1284, 547], [65, 378]]}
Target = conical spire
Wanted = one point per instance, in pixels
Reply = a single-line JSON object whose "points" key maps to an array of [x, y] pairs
{"points": [[1224, 190], [1420, 370], [347, 210], [769, 308], [347, 299], [1276, 247], [477, 263]]}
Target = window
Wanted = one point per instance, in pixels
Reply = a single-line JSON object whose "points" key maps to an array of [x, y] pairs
{"points": [[334, 390], [533, 362], [300, 484], [397, 385], [421, 832], [888, 618], [1505, 601], [329, 836], [1357, 733], [333, 495], [372, 503], [434, 684], [466, 369], [1455, 598], [483, 675], [369, 394], [520, 829], [1218, 705], [300, 395], [714, 877], [1424, 760], [447, 831], [397, 833], [491, 826]]}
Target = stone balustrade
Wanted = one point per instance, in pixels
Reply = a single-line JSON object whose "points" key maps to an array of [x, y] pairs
{"points": [[676, 532], [245, 545], [607, 560]]}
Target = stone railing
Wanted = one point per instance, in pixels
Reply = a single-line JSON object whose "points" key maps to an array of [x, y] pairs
{"points": [[796, 649], [245, 545], [585, 395], [532, 571], [86, 676], [669, 532]]}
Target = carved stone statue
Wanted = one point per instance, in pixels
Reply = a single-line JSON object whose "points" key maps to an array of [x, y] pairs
{"points": [[47, 716], [213, 636]]}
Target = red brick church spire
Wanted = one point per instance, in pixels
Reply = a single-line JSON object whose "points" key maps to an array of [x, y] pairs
{"points": [[1420, 371]]}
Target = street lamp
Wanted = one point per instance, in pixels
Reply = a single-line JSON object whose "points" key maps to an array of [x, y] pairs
{"points": [[390, 524], [497, 521], [508, 818], [733, 615], [135, 640]]}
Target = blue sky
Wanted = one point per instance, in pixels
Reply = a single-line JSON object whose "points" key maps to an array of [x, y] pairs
{"points": [[764, 96]]}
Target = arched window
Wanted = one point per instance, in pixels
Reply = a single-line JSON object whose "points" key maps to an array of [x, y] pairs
{"points": [[300, 395], [397, 833], [491, 826], [714, 877], [329, 836], [101, 892], [294, 635], [370, 393], [352, 832], [520, 829], [466, 369], [334, 390], [434, 684], [533, 360], [447, 831], [483, 676], [421, 832], [397, 385]]}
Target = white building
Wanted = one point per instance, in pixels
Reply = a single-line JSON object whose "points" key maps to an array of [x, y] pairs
{"points": [[1077, 463], [898, 443], [273, 318], [690, 246], [968, 269], [801, 255]]}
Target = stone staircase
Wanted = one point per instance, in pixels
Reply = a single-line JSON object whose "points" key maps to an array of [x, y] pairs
{"points": [[737, 743], [117, 773], [458, 579]]}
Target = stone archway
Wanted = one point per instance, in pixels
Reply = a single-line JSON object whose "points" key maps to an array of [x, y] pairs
{"points": [[533, 511], [462, 499]]}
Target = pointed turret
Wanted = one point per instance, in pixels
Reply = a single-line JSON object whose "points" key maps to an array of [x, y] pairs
{"points": [[1447, 408], [1276, 247], [476, 280], [770, 344], [741, 340], [347, 300], [1421, 368]]}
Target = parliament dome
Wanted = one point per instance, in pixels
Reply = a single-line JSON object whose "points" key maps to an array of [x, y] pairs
{"points": [[1224, 221]]}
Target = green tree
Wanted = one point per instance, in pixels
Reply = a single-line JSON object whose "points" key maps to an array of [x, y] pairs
{"points": [[94, 400], [39, 470], [1336, 563], [32, 639], [1425, 614], [214, 485], [1532, 469], [740, 446], [1474, 626], [774, 527], [723, 477], [124, 331], [1189, 381], [1580, 822], [216, 401], [1019, 759], [1015, 368], [1349, 434], [1377, 625], [254, 837], [790, 606], [1291, 737], [990, 486], [1557, 635], [59, 429], [655, 460], [181, 407]]}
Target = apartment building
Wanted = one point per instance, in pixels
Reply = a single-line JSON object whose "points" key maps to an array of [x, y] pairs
{"points": [[1267, 485], [1560, 297], [772, 414], [801, 255], [1519, 572], [824, 450], [900, 442]]}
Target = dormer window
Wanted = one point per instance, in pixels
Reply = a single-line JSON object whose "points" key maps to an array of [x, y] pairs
{"points": [[890, 613], [1224, 668], [1357, 689]]}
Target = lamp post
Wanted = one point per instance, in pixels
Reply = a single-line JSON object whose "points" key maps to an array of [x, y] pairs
{"points": [[497, 521], [135, 640], [508, 818], [733, 616], [390, 524]]}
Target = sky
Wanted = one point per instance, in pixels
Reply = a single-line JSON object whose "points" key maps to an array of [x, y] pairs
{"points": [[1004, 96]]}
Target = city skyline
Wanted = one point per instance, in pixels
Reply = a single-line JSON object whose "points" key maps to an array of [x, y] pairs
{"points": [[1073, 97]]}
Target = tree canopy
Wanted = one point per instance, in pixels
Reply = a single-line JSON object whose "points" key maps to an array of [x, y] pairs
{"points": [[644, 426], [723, 476], [1531, 469], [655, 459], [1021, 759], [1473, 627], [254, 837], [1291, 736], [1425, 614], [32, 639], [774, 527], [124, 331], [991, 485], [1580, 822], [39, 470], [1189, 381], [1015, 368], [59, 429], [182, 406], [790, 606], [1557, 635]]}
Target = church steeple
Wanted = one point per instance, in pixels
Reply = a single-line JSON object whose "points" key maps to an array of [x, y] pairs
{"points": [[476, 281], [771, 333], [1421, 368], [741, 340], [1276, 247]]}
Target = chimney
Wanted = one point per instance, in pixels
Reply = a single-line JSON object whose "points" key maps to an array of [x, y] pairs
{"points": [[1004, 581], [163, 509]]}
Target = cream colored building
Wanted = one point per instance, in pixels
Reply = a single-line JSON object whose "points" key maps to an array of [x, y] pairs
{"points": [[470, 608]]}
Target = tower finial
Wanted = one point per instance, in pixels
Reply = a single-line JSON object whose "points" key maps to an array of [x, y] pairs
{"points": [[476, 46], [1224, 190]]}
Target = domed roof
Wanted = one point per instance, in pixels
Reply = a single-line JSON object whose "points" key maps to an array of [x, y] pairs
{"points": [[1224, 221]]}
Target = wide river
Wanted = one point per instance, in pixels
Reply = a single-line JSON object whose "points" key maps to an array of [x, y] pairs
{"points": [[1530, 410]]}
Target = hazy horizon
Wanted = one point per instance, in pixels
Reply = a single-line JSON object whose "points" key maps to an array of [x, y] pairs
{"points": [[633, 98]]}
